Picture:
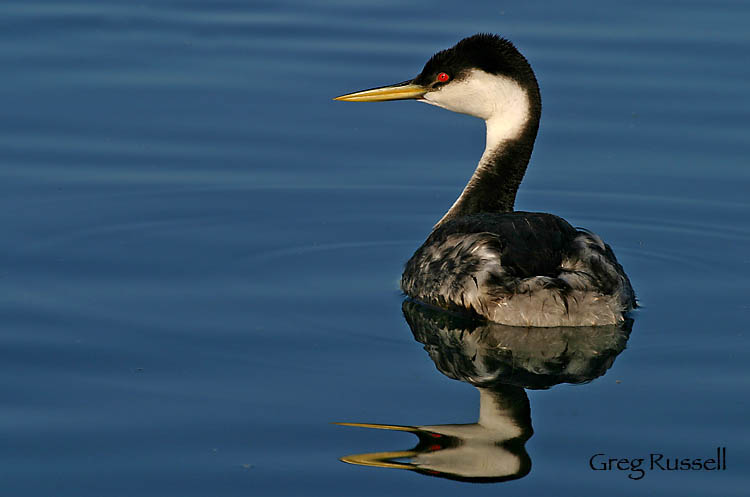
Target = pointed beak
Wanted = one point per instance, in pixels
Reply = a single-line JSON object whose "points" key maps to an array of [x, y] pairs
{"points": [[410, 429], [382, 459], [401, 91]]}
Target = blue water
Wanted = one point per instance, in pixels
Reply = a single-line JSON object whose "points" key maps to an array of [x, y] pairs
{"points": [[200, 250]]}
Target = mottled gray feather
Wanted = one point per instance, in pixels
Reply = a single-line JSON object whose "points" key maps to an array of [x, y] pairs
{"points": [[520, 269]]}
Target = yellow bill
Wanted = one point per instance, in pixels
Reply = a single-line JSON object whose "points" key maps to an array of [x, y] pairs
{"points": [[401, 91], [410, 429], [381, 459]]}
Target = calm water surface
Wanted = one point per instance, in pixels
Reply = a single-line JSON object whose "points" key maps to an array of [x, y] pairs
{"points": [[200, 251]]}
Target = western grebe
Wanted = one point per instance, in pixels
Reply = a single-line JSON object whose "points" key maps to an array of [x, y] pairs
{"points": [[511, 267]]}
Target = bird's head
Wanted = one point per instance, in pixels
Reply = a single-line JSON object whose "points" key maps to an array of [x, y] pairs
{"points": [[482, 75]]}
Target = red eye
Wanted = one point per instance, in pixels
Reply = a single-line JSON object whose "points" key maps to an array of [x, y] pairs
{"points": [[443, 77]]}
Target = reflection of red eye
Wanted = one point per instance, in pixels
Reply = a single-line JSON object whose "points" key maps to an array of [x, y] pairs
{"points": [[443, 77]]}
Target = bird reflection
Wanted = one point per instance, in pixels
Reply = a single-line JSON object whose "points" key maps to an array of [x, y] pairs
{"points": [[486, 354], [500, 361], [490, 450]]}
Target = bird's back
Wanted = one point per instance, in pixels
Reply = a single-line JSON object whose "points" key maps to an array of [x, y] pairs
{"points": [[519, 268]]}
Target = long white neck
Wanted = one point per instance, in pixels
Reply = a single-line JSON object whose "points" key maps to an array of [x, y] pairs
{"points": [[512, 121]]}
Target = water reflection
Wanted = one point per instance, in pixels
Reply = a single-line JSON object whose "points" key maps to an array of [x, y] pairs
{"points": [[490, 450], [500, 361]]}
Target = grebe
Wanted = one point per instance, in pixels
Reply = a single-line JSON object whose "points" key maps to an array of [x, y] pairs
{"points": [[482, 257]]}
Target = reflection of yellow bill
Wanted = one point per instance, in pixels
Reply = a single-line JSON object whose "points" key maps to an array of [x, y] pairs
{"points": [[401, 91], [381, 459], [410, 429]]}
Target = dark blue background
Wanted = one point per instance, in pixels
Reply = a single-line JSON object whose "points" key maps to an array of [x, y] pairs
{"points": [[200, 250]]}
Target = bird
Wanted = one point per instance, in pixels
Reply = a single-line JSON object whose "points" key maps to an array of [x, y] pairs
{"points": [[483, 258]]}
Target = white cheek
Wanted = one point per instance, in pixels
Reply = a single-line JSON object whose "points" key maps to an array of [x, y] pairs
{"points": [[465, 97], [482, 95]]}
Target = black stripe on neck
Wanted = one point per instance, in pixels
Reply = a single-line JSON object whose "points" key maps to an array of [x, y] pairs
{"points": [[494, 185]]}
